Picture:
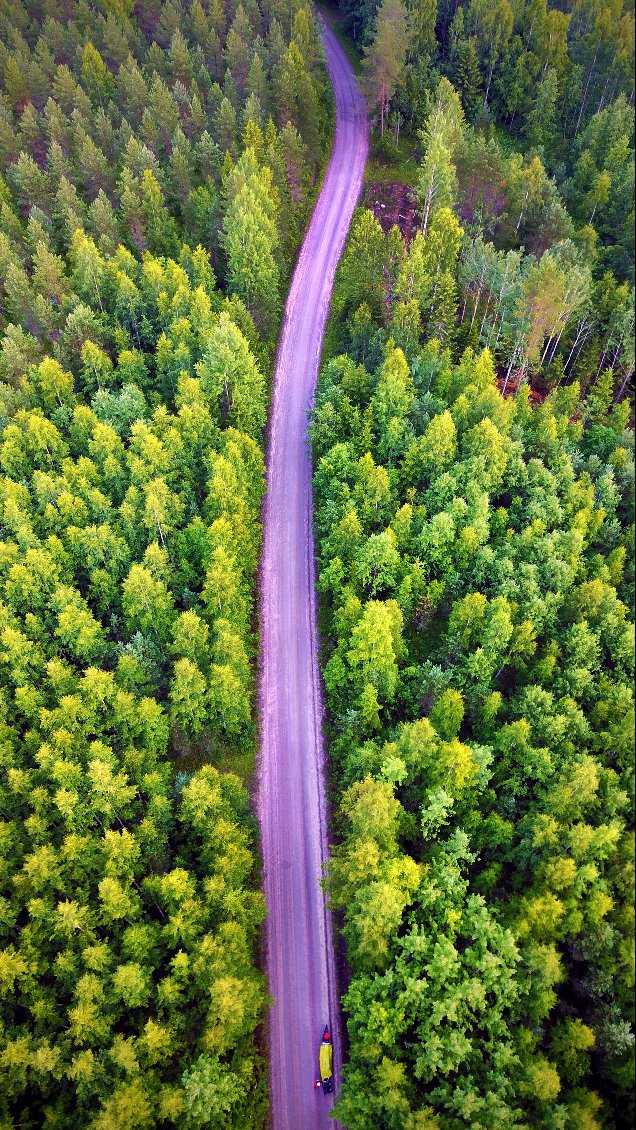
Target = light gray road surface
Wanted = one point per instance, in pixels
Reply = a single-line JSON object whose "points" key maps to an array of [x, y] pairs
{"points": [[291, 787]]}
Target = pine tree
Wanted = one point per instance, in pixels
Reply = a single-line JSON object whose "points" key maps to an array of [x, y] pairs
{"points": [[250, 240], [467, 77], [386, 56]]}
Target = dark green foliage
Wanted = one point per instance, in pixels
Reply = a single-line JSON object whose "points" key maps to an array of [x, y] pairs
{"points": [[498, 261], [558, 81], [126, 137]]}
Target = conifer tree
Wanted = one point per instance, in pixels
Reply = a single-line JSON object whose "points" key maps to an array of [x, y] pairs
{"points": [[386, 55]]}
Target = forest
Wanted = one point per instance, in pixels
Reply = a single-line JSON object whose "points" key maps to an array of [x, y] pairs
{"points": [[474, 494], [157, 167], [474, 491]]}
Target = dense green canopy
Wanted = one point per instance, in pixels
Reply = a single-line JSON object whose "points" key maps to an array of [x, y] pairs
{"points": [[147, 156], [474, 485], [477, 572]]}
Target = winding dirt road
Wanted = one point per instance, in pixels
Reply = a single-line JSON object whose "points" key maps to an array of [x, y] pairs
{"points": [[291, 787]]}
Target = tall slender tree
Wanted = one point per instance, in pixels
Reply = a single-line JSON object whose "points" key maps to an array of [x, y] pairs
{"points": [[385, 57]]}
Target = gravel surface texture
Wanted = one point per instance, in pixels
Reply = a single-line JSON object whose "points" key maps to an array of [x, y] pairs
{"points": [[291, 774]]}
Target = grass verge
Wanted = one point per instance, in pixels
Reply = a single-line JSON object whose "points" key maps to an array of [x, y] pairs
{"points": [[393, 164], [335, 19]]}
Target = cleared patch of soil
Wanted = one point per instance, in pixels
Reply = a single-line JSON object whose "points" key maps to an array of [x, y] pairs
{"points": [[393, 204], [511, 388]]}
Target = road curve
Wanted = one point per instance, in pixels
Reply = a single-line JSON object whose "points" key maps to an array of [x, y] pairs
{"points": [[291, 787]]}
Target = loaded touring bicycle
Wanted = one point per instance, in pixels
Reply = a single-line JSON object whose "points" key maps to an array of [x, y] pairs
{"points": [[325, 1062]]}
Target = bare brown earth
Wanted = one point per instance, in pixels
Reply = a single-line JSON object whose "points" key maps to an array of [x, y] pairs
{"points": [[291, 783], [393, 204]]}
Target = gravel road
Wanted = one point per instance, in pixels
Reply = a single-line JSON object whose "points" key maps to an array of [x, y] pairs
{"points": [[291, 786]]}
